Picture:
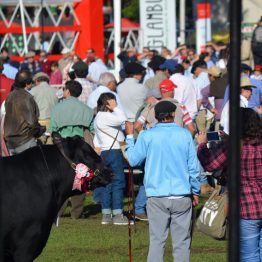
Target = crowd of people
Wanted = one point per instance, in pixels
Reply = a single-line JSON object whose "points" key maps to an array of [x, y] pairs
{"points": [[162, 108]]}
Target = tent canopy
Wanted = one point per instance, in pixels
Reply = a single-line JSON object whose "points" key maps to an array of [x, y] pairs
{"points": [[35, 2], [126, 25]]}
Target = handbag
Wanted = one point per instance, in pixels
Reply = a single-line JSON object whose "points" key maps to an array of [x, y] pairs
{"points": [[212, 220], [122, 144]]}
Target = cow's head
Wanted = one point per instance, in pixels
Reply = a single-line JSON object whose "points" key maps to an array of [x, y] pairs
{"points": [[78, 151]]}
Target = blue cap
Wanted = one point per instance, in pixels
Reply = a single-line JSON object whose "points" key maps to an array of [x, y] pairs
{"points": [[169, 64]]}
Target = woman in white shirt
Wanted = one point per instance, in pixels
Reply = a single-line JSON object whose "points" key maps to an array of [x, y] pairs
{"points": [[108, 136]]}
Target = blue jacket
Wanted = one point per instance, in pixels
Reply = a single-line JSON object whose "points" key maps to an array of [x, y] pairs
{"points": [[171, 167]]}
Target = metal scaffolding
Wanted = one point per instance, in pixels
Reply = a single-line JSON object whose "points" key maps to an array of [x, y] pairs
{"points": [[30, 27]]}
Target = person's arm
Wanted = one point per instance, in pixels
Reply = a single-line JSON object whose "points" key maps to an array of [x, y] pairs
{"points": [[187, 120], [31, 111], [89, 117], [191, 128], [199, 95], [116, 118], [211, 160], [136, 153], [141, 120], [177, 52], [53, 127], [138, 125], [193, 168], [97, 145], [122, 56], [205, 92]]}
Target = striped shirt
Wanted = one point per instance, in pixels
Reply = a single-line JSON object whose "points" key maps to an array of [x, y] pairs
{"points": [[87, 89], [182, 117]]}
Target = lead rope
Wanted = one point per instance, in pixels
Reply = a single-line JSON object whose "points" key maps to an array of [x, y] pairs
{"points": [[129, 215]]}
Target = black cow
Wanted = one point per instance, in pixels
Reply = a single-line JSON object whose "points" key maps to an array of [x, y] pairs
{"points": [[35, 184]]}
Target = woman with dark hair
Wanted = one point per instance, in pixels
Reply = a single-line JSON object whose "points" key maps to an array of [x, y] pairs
{"points": [[108, 136], [251, 181]]}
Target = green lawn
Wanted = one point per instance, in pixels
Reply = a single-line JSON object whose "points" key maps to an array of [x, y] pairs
{"points": [[87, 240]]}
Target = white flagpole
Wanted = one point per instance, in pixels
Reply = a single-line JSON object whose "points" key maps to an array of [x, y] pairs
{"points": [[182, 19], [23, 25], [117, 34]]}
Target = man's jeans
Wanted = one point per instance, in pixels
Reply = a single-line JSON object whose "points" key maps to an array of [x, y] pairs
{"points": [[140, 204], [250, 240], [111, 196]]}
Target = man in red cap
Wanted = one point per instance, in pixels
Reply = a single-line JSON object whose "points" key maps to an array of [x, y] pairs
{"points": [[182, 118]]}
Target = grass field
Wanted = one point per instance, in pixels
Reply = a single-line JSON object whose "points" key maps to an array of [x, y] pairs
{"points": [[87, 240]]}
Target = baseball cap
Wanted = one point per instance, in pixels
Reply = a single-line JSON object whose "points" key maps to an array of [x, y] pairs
{"points": [[169, 64], [257, 68], [164, 107], [166, 86]]}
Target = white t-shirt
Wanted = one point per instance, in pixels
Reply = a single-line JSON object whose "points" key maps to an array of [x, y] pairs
{"points": [[224, 120], [185, 93], [107, 126], [95, 69]]}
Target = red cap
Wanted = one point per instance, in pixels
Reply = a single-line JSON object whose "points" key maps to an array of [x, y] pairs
{"points": [[166, 86], [257, 68]]}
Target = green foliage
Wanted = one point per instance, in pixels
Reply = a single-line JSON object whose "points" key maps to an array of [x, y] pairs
{"points": [[131, 10], [87, 240]]}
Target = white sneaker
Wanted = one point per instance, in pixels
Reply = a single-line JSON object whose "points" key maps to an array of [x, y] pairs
{"points": [[121, 220], [106, 219]]}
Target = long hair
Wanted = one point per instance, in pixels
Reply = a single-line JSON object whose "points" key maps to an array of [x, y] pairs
{"points": [[251, 125], [102, 101]]}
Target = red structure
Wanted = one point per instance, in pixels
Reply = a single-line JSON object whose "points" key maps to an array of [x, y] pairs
{"points": [[87, 26], [126, 25], [90, 14]]}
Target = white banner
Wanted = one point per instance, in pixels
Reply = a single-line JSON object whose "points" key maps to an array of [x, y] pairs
{"points": [[158, 23]]}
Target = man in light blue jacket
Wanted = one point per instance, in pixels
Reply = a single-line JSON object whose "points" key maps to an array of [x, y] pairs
{"points": [[171, 181]]}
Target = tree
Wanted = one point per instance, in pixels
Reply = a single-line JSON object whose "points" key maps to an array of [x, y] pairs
{"points": [[131, 9]]}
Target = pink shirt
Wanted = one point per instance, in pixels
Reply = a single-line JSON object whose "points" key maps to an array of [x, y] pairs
{"points": [[56, 78]]}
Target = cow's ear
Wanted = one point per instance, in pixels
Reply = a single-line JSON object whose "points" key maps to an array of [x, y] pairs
{"points": [[57, 138]]}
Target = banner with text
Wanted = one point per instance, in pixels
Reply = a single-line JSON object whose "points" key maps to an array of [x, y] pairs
{"points": [[158, 23], [203, 26]]}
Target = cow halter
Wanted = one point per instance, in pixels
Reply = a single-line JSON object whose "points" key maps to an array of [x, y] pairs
{"points": [[83, 174]]}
